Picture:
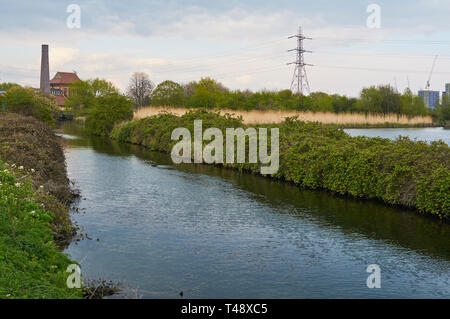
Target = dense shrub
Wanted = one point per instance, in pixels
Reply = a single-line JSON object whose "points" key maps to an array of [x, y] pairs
{"points": [[27, 101], [84, 94], [400, 172], [108, 111]]}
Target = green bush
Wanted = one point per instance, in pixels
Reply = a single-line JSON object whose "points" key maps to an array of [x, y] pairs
{"points": [[400, 172], [108, 111], [31, 266], [84, 94], [27, 101]]}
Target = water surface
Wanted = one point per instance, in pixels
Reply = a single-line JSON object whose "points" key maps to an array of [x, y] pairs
{"points": [[427, 134], [215, 233]]}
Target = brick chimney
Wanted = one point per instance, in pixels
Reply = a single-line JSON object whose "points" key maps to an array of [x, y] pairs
{"points": [[45, 71]]}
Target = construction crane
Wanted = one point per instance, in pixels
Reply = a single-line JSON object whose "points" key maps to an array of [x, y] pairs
{"points": [[431, 73]]}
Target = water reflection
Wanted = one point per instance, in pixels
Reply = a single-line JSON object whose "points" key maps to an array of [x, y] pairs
{"points": [[217, 233]]}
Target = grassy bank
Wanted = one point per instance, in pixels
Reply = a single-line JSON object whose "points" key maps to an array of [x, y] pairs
{"points": [[34, 199], [27, 142], [348, 120], [401, 172]]}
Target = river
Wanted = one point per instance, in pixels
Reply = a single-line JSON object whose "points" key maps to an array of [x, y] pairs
{"points": [[427, 134], [159, 229]]}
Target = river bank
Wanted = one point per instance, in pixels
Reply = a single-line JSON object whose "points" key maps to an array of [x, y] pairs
{"points": [[402, 172], [35, 196]]}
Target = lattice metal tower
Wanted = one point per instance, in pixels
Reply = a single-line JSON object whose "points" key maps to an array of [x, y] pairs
{"points": [[299, 82]]}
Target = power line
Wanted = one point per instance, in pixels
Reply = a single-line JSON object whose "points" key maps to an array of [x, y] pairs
{"points": [[398, 41], [377, 69]]}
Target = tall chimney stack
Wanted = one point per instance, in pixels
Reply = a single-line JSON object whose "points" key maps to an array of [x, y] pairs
{"points": [[45, 71]]}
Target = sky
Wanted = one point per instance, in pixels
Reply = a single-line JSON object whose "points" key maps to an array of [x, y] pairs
{"points": [[243, 44]]}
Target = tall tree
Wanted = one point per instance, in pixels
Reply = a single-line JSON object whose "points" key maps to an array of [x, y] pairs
{"points": [[168, 93], [83, 94], [140, 89]]}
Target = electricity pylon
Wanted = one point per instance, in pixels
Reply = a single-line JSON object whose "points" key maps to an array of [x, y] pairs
{"points": [[299, 82]]}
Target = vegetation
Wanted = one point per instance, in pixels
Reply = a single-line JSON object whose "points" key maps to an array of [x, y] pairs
{"points": [[84, 95], [27, 101], [34, 211], [140, 89], [7, 85], [31, 266], [101, 103], [109, 110], [443, 111], [33, 145], [400, 172], [210, 94], [168, 93]]}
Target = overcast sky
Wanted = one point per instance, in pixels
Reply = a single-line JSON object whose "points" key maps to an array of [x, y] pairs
{"points": [[240, 43]]}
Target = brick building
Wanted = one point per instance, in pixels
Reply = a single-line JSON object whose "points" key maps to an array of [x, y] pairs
{"points": [[59, 86]]}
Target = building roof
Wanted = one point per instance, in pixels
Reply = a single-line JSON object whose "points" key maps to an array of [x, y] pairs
{"points": [[64, 78]]}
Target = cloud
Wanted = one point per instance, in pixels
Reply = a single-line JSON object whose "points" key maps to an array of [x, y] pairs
{"points": [[62, 56], [244, 79], [243, 44]]}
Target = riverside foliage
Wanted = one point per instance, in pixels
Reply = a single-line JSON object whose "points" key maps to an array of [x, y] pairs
{"points": [[27, 101], [400, 172], [210, 94], [35, 195], [101, 103], [31, 266]]}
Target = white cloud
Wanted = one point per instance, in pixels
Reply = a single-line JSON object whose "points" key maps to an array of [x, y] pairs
{"points": [[62, 56], [244, 79]]}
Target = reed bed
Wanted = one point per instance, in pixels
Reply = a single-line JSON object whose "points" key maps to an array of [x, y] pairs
{"points": [[274, 117]]}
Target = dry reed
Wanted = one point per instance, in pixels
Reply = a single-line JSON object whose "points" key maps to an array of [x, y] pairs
{"points": [[268, 117]]}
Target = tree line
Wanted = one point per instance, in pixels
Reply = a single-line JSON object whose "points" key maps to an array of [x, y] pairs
{"points": [[102, 105], [208, 93]]}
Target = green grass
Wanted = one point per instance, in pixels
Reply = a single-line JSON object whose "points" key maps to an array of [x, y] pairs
{"points": [[31, 266], [401, 172]]}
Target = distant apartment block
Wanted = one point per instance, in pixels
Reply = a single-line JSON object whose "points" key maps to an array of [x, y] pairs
{"points": [[447, 90], [430, 98]]}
